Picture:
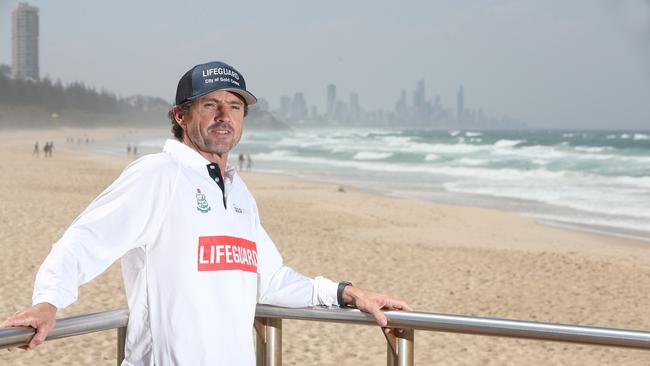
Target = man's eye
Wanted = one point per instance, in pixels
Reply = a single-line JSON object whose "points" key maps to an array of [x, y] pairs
{"points": [[235, 106]]}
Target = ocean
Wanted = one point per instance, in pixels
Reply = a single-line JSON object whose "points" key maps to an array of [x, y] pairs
{"points": [[590, 180]]}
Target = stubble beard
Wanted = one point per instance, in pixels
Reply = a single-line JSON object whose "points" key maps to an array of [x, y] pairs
{"points": [[205, 142]]}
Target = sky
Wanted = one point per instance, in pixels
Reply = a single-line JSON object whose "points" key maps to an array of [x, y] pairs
{"points": [[578, 64]]}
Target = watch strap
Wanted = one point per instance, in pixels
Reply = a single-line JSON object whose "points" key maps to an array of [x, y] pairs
{"points": [[339, 292]]}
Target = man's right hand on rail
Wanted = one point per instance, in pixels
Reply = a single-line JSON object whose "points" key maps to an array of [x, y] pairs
{"points": [[40, 317]]}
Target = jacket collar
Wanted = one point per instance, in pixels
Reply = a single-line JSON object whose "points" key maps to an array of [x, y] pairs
{"points": [[190, 157], [184, 154]]}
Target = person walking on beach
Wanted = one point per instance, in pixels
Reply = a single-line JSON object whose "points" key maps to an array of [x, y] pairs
{"points": [[46, 149], [36, 150], [195, 257], [249, 162], [240, 162]]}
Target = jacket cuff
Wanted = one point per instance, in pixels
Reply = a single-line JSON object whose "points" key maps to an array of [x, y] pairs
{"points": [[51, 298], [325, 291]]}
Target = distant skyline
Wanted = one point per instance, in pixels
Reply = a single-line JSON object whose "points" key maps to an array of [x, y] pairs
{"points": [[577, 64]]}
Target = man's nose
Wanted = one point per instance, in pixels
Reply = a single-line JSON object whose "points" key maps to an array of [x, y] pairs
{"points": [[222, 113]]}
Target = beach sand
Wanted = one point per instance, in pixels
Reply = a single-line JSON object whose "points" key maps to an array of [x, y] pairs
{"points": [[443, 259]]}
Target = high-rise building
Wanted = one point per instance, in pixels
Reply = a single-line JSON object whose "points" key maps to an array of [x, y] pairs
{"points": [[299, 107], [331, 100], [418, 95], [419, 103], [460, 104], [24, 39], [437, 104], [355, 108]]}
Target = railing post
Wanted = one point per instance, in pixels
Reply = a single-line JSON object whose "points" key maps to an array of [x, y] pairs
{"points": [[400, 348], [268, 346], [121, 342]]}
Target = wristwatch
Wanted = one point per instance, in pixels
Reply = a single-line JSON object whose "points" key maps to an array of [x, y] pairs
{"points": [[339, 292]]}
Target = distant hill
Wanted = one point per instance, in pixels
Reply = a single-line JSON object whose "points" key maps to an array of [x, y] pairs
{"points": [[263, 120], [37, 104]]}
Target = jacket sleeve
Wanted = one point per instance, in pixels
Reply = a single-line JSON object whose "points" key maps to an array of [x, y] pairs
{"points": [[127, 215], [282, 286]]}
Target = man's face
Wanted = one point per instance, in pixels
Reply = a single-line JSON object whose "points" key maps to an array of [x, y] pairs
{"points": [[215, 122]]}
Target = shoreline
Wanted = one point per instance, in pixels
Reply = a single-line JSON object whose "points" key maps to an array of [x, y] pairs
{"points": [[591, 230], [622, 240], [573, 227]]}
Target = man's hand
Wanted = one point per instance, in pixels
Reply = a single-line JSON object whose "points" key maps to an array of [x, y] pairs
{"points": [[40, 317], [373, 303]]}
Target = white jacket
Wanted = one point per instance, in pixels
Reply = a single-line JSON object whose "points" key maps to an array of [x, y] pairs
{"points": [[193, 270]]}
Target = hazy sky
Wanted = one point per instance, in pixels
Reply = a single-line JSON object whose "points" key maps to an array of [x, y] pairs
{"points": [[551, 63]]}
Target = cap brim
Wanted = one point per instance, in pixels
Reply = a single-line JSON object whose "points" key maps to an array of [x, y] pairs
{"points": [[249, 98]]}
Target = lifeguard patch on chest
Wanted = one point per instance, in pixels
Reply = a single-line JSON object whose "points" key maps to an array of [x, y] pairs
{"points": [[226, 253]]}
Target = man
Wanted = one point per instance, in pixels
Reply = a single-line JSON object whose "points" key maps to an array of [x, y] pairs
{"points": [[195, 258]]}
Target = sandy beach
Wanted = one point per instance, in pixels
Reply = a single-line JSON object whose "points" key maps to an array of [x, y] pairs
{"points": [[443, 259]]}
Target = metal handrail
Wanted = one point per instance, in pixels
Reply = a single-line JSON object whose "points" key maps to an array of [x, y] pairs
{"points": [[471, 325], [95, 322], [68, 327]]}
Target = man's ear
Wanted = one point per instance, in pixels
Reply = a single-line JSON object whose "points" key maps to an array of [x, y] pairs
{"points": [[178, 115]]}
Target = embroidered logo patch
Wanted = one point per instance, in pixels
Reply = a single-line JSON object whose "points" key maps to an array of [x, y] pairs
{"points": [[201, 203], [226, 253]]}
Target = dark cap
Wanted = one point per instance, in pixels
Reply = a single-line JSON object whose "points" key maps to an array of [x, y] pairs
{"points": [[206, 78]]}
